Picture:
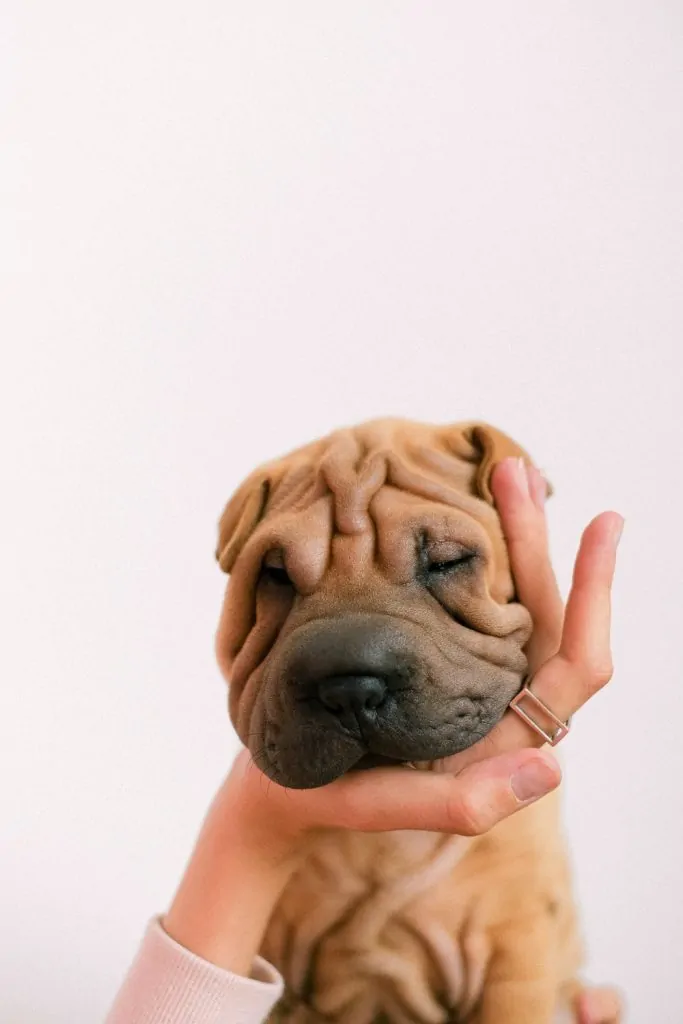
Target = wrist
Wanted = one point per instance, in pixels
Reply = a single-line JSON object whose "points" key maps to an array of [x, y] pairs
{"points": [[252, 817], [231, 885]]}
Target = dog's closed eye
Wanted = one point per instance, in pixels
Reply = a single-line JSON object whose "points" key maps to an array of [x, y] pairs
{"points": [[451, 564], [439, 558]]}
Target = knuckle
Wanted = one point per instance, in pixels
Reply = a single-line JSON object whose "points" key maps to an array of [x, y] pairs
{"points": [[467, 816], [600, 674]]}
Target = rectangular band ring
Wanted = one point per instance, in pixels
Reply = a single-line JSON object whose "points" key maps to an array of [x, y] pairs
{"points": [[561, 728]]}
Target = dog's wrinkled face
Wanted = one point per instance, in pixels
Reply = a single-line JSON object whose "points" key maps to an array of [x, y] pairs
{"points": [[370, 616]]}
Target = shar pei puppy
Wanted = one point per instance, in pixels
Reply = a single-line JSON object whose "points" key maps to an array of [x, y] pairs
{"points": [[371, 618]]}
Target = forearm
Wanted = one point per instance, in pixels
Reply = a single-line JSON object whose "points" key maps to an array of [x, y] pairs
{"points": [[229, 890]]}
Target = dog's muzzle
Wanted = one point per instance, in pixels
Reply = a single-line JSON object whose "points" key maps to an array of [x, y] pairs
{"points": [[359, 690], [351, 668]]}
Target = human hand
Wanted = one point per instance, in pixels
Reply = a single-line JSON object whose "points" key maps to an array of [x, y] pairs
{"points": [[256, 830], [569, 651], [569, 657]]}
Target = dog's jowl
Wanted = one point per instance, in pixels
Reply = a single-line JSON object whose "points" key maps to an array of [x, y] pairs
{"points": [[371, 618]]}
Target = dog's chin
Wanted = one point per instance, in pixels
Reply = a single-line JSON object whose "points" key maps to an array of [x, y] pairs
{"points": [[313, 777], [309, 750], [341, 755], [368, 761]]}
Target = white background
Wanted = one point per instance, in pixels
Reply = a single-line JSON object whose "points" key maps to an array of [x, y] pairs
{"points": [[228, 227]]}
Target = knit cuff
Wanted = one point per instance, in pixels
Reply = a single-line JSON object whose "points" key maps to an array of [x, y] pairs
{"points": [[167, 984]]}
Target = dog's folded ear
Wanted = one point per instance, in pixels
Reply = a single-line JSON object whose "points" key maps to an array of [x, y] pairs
{"points": [[486, 446], [240, 518]]}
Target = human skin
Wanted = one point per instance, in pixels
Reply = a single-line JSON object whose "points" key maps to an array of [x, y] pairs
{"points": [[256, 832]]}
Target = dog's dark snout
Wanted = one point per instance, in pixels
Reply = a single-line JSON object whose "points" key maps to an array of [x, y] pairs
{"points": [[350, 664], [356, 694]]}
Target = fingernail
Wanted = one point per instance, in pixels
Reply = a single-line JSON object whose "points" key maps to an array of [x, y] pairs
{"points": [[521, 477], [617, 530], [538, 487], [535, 778]]}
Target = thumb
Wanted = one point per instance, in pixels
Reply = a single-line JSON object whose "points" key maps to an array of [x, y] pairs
{"points": [[384, 799]]}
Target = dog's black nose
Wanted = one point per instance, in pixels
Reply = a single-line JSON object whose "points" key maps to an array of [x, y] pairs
{"points": [[355, 694]]}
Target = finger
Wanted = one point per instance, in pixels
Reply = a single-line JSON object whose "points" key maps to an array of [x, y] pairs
{"points": [[519, 492], [394, 798], [586, 633], [582, 665], [599, 1006]]}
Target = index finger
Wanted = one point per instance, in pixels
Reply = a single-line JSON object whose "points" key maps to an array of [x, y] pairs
{"points": [[520, 493]]}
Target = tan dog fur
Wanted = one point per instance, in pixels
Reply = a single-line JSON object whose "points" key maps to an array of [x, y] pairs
{"points": [[398, 928]]}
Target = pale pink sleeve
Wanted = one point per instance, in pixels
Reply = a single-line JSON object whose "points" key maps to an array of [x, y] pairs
{"points": [[166, 984]]}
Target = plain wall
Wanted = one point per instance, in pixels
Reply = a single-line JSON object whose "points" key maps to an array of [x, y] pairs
{"points": [[227, 228]]}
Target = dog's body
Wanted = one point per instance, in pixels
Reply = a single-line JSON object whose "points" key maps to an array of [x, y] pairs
{"points": [[415, 927], [371, 617]]}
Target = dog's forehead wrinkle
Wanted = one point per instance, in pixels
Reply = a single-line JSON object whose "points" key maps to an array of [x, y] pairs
{"points": [[294, 492], [353, 477], [353, 465]]}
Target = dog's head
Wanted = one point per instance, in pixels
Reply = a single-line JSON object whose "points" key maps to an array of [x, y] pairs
{"points": [[370, 615]]}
